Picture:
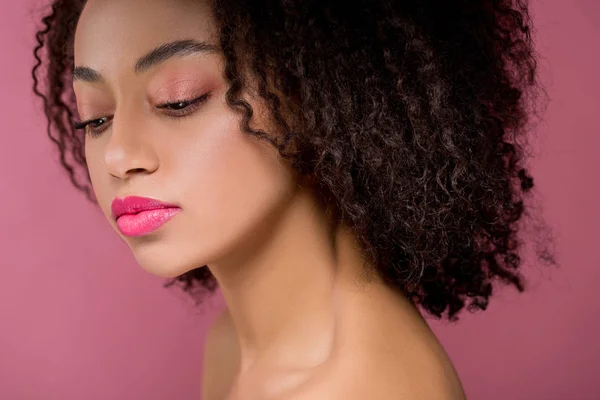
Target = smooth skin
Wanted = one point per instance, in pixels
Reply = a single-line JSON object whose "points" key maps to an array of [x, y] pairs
{"points": [[303, 321]]}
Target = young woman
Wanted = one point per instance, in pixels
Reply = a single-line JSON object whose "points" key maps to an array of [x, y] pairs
{"points": [[333, 166]]}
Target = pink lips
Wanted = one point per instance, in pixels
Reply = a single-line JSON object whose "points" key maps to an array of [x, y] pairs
{"points": [[138, 216]]}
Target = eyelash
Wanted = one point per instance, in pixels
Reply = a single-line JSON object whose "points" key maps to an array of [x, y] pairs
{"points": [[188, 108]]}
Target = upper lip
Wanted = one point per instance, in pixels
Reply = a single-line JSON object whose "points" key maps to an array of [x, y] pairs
{"points": [[136, 204]]}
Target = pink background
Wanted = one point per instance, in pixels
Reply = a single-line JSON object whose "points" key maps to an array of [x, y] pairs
{"points": [[80, 320]]}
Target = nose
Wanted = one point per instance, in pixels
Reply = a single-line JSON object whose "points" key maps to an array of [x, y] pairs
{"points": [[128, 151]]}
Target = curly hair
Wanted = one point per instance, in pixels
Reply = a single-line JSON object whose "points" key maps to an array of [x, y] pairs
{"points": [[409, 116]]}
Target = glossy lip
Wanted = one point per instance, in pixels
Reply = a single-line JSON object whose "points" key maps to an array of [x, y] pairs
{"points": [[138, 216], [136, 204]]}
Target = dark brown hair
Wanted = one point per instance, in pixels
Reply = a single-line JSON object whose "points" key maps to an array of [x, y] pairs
{"points": [[410, 116]]}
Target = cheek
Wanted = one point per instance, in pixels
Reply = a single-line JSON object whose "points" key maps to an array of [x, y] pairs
{"points": [[231, 182], [98, 176], [92, 156]]}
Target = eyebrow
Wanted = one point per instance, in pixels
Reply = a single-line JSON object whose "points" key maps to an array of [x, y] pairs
{"points": [[178, 48]]}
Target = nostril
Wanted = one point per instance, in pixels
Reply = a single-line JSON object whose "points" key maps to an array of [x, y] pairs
{"points": [[136, 170]]}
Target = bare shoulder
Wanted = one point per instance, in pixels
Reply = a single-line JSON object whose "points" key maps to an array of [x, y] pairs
{"points": [[424, 375], [221, 357], [428, 378], [388, 352]]}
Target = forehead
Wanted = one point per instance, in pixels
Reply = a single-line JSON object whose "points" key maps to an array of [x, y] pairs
{"points": [[119, 31]]}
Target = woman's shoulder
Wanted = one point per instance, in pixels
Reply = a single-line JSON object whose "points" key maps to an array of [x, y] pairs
{"points": [[386, 350], [413, 369], [362, 382]]}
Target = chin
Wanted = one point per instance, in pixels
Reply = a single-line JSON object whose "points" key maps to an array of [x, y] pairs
{"points": [[164, 261], [168, 269]]}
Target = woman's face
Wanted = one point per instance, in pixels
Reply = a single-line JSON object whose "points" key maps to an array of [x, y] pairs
{"points": [[225, 185]]}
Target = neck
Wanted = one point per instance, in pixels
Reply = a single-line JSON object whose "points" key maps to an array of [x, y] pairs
{"points": [[281, 289]]}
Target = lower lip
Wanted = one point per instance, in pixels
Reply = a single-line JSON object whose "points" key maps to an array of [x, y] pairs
{"points": [[145, 222]]}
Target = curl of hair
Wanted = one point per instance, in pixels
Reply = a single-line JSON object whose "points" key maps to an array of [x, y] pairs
{"points": [[409, 116]]}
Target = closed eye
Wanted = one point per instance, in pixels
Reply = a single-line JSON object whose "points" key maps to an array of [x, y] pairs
{"points": [[92, 127], [183, 107]]}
